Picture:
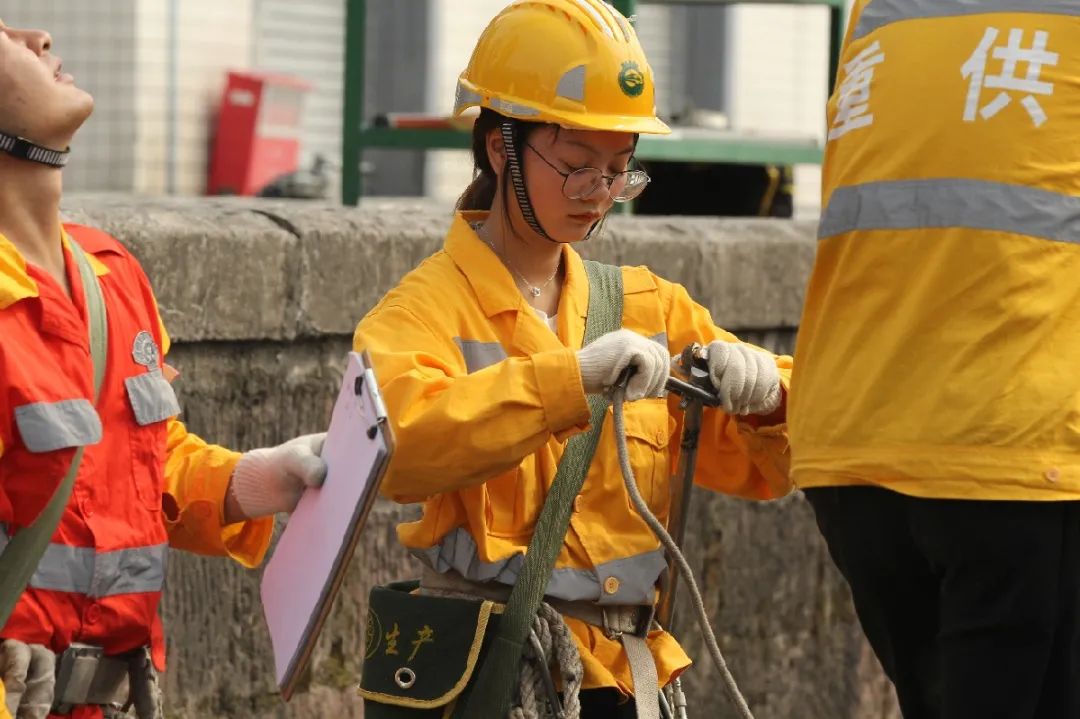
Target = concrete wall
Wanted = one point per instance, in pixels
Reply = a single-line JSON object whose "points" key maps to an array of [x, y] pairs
{"points": [[262, 298]]}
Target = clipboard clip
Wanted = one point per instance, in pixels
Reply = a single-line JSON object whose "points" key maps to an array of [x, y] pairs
{"points": [[368, 377]]}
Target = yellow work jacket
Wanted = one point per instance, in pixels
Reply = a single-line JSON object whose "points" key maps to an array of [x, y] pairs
{"points": [[483, 396], [939, 347]]}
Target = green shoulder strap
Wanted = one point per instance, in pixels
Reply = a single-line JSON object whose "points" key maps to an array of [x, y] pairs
{"points": [[19, 559], [494, 685]]}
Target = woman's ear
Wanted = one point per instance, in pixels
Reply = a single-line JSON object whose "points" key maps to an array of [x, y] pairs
{"points": [[496, 151]]}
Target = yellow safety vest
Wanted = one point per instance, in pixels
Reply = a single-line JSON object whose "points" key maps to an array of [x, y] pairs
{"points": [[939, 352]]}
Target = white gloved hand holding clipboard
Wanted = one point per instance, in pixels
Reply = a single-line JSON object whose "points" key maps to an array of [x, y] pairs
{"points": [[311, 557]]}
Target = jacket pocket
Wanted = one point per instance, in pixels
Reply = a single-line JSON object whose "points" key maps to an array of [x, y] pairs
{"points": [[649, 426], [49, 426], [152, 402]]}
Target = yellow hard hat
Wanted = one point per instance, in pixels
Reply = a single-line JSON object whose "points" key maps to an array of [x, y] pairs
{"points": [[575, 63]]}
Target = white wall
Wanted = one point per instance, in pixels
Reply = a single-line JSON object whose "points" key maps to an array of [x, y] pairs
{"points": [[454, 30], [151, 99], [778, 77]]}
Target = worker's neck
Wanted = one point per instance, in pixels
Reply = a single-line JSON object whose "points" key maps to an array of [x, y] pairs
{"points": [[534, 257], [30, 211]]}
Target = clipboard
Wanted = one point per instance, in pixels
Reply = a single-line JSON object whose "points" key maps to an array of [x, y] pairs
{"points": [[312, 555]]}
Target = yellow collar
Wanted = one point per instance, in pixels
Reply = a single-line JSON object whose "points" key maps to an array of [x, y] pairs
{"points": [[491, 280], [16, 284]]}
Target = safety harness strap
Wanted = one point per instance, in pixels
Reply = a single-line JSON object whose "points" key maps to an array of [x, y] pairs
{"points": [[500, 669], [19, 559]]}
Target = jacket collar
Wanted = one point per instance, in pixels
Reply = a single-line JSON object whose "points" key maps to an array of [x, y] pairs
{"points": [[491, 280], [16, 283]]}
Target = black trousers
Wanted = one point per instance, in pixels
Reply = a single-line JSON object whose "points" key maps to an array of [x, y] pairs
{"points": [[971, 606]]}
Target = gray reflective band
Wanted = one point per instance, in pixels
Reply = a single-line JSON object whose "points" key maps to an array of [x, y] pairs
{"points": [[465, 96], [636, 575], [572, 84], [972, 204], [82, 570], [880, 13], [479, 355], [152, 397], [49, 426], [505, 107]]}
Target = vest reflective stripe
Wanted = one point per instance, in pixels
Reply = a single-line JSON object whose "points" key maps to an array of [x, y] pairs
{"points": [[972, 204], [82, 570], [879, 13], [479, 355], [636, 575], [49, 426]]}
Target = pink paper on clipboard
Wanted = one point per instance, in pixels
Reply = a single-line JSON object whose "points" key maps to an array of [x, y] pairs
{"points": [[307, 567]]}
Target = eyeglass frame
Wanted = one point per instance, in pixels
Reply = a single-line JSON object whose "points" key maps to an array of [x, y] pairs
{"points": [[609, 180]]}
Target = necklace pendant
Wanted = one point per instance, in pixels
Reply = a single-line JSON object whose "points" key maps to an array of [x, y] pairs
{"points": [[535, 291]]}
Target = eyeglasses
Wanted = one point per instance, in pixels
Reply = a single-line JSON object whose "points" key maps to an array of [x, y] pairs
{"points": [[579, 184]]}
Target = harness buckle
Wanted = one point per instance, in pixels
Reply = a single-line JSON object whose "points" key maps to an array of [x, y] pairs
{"points": [[84, 675]]}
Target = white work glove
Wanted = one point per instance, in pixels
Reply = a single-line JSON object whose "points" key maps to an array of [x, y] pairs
{"points": [[745, 378], [603, 360], [271, 480], [29, 675]]}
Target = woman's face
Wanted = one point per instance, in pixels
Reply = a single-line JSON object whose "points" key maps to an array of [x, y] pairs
{"points": [[37, 100], [549, 154]]}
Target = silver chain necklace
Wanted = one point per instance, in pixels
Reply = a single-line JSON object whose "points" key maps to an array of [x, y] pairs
{"points": [[534, 290]]}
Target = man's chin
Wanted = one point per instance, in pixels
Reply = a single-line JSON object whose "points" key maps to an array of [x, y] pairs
{"points": [[79, 108], [84, 105]]}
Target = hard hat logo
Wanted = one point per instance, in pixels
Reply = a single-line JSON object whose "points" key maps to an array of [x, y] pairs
{"points": [[631, 79]]}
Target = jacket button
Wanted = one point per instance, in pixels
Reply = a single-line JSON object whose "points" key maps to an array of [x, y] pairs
{"points": [[660, 436], [577, 503], [93, 614], [1053, 474], [611, 585]]}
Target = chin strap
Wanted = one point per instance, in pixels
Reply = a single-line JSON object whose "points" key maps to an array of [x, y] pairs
{"points": [[517, 178], [26, 150]]}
